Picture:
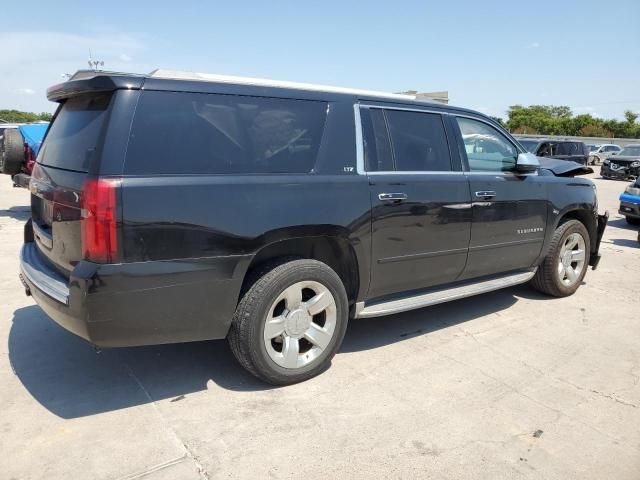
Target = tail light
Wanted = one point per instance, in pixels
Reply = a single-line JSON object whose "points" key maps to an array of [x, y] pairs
{"points": [[99, 220]]}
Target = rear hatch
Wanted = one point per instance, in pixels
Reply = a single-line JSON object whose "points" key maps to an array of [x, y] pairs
{"points": [[69, 153], [573, 151]]}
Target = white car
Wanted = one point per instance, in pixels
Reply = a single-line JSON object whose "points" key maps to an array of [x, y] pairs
{"points": [[599, 153]]}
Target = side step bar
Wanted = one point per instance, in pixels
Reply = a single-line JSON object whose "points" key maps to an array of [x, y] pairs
{"points": [[440, 296]]}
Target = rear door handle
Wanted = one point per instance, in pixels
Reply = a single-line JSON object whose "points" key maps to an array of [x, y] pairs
{"points": [[486, 194], [392, 197]]}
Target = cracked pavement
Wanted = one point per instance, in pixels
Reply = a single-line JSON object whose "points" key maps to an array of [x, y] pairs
{"points": [[506, 385]]}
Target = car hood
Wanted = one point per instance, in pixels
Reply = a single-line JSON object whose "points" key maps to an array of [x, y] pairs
{"points": [[624, 158], [563, 168]]}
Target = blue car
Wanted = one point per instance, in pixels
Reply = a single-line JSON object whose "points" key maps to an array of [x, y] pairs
{"points": [[630, 203]]}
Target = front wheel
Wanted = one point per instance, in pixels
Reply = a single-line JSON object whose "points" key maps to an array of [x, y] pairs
{"points": [[632, 220], [563, 269], [290, 323]]}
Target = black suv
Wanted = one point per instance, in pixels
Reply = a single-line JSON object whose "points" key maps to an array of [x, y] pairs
{"points": [[176, 207], [560, 149]]}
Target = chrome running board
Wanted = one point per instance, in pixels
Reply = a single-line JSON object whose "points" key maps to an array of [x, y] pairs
{"points": [[440, 296]]}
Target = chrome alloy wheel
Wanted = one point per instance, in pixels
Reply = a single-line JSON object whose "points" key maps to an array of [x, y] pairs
{"points": [[572, 259], [300, 324]]}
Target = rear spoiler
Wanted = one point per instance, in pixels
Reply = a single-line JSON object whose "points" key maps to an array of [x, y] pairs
{"points": [[89, 81]]}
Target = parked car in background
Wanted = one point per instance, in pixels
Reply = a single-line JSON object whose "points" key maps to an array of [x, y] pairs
{"points": [[192, 206], [19, 149], [624, 165], [561, 149], [599, 153], [630, 203]]}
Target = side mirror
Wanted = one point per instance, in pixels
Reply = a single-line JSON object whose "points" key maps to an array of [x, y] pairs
{"points": [[527, 162]]}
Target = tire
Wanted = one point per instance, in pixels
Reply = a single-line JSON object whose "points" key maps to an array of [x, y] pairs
{"points": [[632, 220], [554, 279], [593, 160], [13, 155], [261, 346]]}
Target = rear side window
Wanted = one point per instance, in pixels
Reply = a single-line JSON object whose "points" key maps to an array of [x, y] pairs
{"points": [[194, 133], [404, 141], [569, 148], [419, 142], [73, 137], [377, 148]]}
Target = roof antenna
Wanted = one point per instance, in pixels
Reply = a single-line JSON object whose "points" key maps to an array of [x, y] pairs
{"points": [[94, 64]]}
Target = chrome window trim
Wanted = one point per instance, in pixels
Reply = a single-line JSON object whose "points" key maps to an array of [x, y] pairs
{"points": [[360, 142]]}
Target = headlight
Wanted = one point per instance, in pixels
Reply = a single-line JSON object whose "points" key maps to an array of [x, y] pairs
{"points": [[631, 190], [635, 164]]}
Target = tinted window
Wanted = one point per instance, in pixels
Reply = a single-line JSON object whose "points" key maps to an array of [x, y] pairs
{"points": [[529, 145], [487, 149], [569, 148], [377, 149], [74, 134], [418, 141], [194, 133]]}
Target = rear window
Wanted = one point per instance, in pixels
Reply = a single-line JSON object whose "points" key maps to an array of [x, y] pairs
{"points": [[74, 134], [196, 133]]}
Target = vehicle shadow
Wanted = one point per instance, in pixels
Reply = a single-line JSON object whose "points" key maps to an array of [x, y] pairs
{"points": [[72, 379], [367, 334], [625, 242], [17, 213], [621, 223]]}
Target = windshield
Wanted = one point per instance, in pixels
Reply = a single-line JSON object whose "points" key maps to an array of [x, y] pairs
{"points": [[529, 145], [631, 150]]}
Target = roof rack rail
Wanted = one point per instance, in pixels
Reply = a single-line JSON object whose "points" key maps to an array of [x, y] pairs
{"points": [[211, 77]]}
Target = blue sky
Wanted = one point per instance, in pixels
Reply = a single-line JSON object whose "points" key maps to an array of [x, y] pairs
{"points": [[488, 55]]}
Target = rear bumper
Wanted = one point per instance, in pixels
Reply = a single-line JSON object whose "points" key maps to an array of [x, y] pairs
{"points": [[141, 303], [594, 259]]}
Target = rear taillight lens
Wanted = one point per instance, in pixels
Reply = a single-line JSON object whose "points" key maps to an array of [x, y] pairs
{"points": [[99, 220]]}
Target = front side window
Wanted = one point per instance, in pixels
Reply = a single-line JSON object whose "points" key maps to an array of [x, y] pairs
{"points": [[487, 149], [196, 133]]}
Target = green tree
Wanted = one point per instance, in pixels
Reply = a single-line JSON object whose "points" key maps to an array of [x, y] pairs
{"points": [[16, 116], [630, 116]]}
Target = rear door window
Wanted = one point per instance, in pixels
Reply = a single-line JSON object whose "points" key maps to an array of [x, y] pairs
{"points": [[195, 133], [418, 141], [377, 148], [73, 137]]}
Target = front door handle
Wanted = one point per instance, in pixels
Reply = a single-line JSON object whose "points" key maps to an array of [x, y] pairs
{"points": [[486, 194], [392, 197]]}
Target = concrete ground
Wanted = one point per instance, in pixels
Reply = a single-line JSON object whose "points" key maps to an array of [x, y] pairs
{"points": [[506, 385]]}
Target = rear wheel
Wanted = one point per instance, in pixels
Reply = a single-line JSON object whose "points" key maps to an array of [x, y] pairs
{"points": [[564, 267], [632, 220], [13, 154], [290, 323]]}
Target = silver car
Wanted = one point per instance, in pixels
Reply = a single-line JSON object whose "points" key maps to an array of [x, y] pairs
{"points": [[599, 153]]}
